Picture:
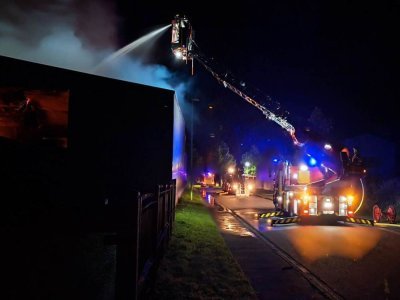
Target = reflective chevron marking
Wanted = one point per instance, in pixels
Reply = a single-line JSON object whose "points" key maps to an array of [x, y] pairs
{"points": [[359, 221], [271, 214], [288, 220]]}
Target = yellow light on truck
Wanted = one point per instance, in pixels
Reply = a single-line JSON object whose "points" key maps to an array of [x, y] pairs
{"points": [[350, 199]]}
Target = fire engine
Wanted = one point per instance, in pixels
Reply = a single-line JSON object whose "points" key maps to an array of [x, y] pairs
{"points": [[235, 183], [314, 193], [301, 192], [208, 179]]}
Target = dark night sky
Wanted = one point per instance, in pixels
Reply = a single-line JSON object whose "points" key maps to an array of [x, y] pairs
{"points": [[341, 56]]}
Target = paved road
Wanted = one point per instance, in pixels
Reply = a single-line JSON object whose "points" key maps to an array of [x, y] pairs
{"points": [[271, 276], [356, 262]]}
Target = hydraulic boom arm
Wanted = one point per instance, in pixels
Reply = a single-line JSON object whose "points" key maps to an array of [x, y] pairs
{"points": [[184, 47]]}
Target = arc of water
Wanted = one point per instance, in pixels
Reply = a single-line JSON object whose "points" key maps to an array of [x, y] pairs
{"points": [[128, 48]]}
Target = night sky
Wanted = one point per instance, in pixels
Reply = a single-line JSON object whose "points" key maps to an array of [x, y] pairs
{"points": [[340, 56]]}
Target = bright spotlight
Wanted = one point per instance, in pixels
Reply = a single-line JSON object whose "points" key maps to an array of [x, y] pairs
{"points": [[178, 54], [303, 168]]}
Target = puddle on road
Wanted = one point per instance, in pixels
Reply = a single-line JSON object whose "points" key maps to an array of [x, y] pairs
{"points": [[311, 242], [229, 224], [208, 198], [226, 221]]}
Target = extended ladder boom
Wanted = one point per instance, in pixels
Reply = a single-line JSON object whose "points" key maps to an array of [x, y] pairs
{"points": [[268, 114], [184, 47]]}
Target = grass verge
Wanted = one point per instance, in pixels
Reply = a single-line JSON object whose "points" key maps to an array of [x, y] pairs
{"points": [[197, 263]]}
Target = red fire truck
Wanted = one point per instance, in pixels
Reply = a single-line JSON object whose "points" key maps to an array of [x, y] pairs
{"points": [[304, 193]]}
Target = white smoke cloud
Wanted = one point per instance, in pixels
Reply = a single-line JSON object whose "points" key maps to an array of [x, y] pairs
{"points": [[60, 48], [129, 69], [56, 32], [76, 35]]}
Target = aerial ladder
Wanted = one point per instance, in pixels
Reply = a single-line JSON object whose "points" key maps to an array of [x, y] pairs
{"points": [[330, 196], [185, 48]]}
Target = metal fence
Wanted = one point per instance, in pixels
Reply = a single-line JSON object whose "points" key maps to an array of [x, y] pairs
{"points": [[142, 242]]}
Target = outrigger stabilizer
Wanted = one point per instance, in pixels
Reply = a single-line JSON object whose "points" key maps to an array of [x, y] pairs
{"points": [[283, 218]]}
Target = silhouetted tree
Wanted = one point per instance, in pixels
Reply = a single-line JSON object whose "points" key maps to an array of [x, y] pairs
{"points": [[225, 158], [252, 156], [319, 122]]}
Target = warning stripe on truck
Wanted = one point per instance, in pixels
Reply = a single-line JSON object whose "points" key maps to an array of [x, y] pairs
{"points": [[288, 220], [271, 214], [359, 221]]}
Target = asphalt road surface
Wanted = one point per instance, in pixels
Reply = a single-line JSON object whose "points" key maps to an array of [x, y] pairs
{"points": [[355, 261]]}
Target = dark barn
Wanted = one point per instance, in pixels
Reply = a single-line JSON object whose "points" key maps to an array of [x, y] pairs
{"points": [[76, 152]]}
